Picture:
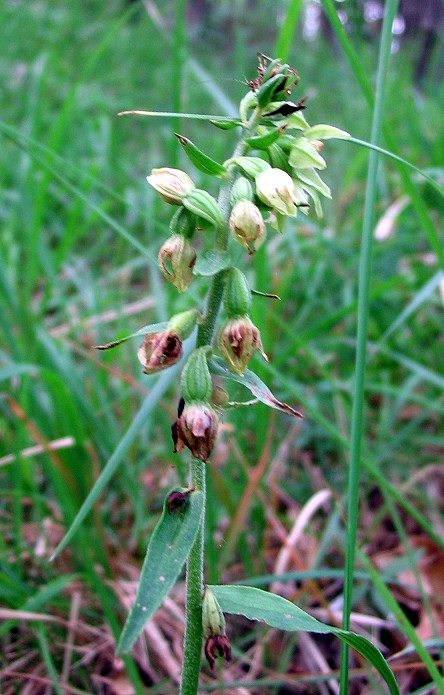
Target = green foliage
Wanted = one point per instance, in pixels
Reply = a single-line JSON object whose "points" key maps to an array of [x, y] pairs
{"points": [[80, 235], [167, 551], [277, 612]]}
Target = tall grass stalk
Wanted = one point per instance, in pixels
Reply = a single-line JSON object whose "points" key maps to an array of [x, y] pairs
{"points": [[365, 265]]}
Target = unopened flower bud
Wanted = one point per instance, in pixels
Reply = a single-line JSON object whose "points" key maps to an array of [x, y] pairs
{"points": [[180, 255], [213, 622], [159, 351], [238, 341], [196, 428], [237, 294], [247, 225], [172, 184], [276, 189], [177, 499], [242, 190]]}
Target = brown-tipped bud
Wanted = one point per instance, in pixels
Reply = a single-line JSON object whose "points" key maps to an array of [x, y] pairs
{"points": [[247, 225], [196, 428], [213, 623], [172, 184], [217, 645], [238, 341], [159, 351], [180, 256]]}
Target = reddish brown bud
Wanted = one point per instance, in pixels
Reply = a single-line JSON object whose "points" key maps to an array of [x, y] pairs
{"points": [[159, 351], [196, 428], [217, 645], [176, 500], [238, 341]]}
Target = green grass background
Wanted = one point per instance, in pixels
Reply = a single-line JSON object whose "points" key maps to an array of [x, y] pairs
{"points": [[80, 231]]}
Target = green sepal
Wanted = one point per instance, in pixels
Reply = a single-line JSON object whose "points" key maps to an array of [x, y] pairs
{"points": [[169, 546], [250, 165], [200, 160], [261, 142], [204, 205], [237, 294], [310, 179], [195, 381], [303, 155]]}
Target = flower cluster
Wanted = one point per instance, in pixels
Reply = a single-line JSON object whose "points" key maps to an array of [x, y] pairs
{"points": [[272, 175]]}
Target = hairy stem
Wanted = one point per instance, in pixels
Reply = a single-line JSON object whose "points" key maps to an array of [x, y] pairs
{"points": [[195, 563]]}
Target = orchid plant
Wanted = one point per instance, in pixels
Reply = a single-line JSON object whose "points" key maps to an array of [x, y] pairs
{"points": [[272, 175]]}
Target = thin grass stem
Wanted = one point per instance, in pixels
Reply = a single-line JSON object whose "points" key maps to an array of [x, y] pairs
{"points": [[365, 264]]}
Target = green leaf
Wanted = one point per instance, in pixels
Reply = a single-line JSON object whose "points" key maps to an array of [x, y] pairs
{"points": [[277, 612], [146, 330], [252, 382], [274, 610], [211, 262], [167, 551], [371, 653]]}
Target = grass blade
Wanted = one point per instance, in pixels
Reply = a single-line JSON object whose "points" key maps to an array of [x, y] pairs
{"points": [[365, 262], [117, 457]]}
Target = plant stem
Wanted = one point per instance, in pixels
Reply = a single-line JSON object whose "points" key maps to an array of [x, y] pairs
{"points": [[195, 564], [192, 645]]}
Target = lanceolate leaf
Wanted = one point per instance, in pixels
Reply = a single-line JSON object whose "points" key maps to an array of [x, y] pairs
{"points": [[252, 382], [211, 262], [168, 549], [277, 612], [146, 330]]}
